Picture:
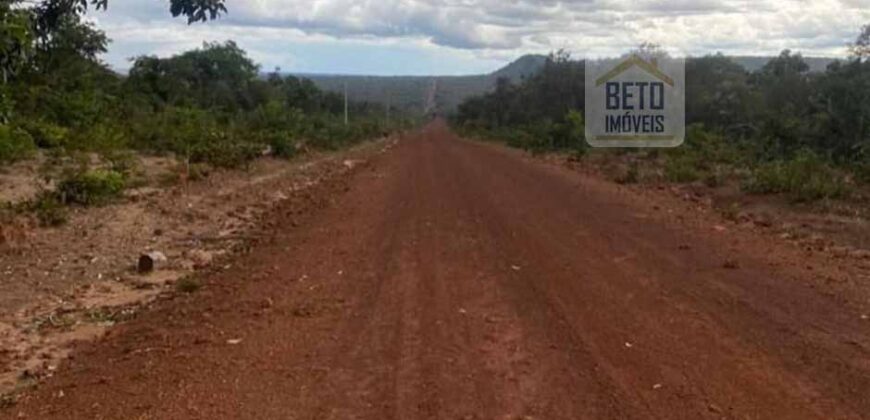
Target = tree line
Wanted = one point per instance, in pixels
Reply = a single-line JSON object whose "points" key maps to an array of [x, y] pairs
{"points": [[768, 118], [210, 107], [211, 103]]}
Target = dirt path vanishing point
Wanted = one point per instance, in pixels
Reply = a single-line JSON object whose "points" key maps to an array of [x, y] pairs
{"points": [[454, 280]]}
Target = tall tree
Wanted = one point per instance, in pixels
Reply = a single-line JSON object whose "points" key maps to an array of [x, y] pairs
{"points": [[861, 48]]}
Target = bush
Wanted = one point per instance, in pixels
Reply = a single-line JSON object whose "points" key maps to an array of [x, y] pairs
{"points": [[188, 285], [46, 135], [704, 156], [102, 138], [280, 142], [682, 169], [226, 153], [15, 144], [90, 188], [49, 209], [806, 177]]}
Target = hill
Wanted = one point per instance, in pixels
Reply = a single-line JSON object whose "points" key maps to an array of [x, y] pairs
{"points": [[424, 93]]}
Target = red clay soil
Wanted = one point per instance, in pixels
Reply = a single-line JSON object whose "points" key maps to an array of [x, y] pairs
{"points": [[455, 280]]}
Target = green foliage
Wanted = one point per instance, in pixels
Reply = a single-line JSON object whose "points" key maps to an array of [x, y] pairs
{"points": [[208, 106], [188, 285], [280, 142], [739, 120], [49, 209], [701, 157], [549, 95], [216, 76], [226, 152], [805, 177], [682, 169], [15, 144], [102, 138], [16, 41], [90, 187], [46, 135]]}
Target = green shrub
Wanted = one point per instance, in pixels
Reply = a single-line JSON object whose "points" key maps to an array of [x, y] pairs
{"points": [[49, 209], [806, 177], [15, 144], [226, 153], [102, 138], [90, 188], [188, 285], [123, 162], [45, 134], [682, 169], [281, 143]]}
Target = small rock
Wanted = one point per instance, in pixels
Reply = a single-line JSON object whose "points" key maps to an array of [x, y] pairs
{"points": [[731, 264], [151, 261], [200, 258], [657, 386], [515, 267], [234, 341]]}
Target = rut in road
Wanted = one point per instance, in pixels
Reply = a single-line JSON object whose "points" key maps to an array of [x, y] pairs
{"points": [[455, 280]]}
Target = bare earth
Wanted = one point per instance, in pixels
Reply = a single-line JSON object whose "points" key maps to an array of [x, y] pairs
{"points": [[454, 280]]}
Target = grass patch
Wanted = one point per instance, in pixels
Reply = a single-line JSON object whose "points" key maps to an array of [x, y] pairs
{"points": [[15, 144], [682, 169], [806, 177], [90, 188], [188, 285], [49, 209]]}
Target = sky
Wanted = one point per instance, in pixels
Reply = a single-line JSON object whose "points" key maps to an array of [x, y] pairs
{"points": [[454, 37]]}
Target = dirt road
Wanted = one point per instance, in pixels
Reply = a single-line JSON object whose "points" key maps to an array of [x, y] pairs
{"points": [[454, 280]]}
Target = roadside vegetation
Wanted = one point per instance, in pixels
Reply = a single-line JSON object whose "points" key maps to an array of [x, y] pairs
{"points": [[781, 129], [211, 107]]}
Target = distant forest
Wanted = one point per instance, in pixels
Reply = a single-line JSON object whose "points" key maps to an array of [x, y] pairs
{"points": [[790, 128], [411, 93]]}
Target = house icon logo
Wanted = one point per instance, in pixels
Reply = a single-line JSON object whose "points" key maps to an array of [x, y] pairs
{"points": [[635, 102]]}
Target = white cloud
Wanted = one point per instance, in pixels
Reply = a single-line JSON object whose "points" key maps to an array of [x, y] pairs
{"points": [[505, 28]]}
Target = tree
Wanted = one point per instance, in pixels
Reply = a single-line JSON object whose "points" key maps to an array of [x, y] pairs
{"points": [[15, 39], [50, 12], [720, 95], [214, 76], [861, 48], [25, 30]]}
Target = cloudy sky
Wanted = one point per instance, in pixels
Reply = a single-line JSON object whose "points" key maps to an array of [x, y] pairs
{"points": [[475, 36]]}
